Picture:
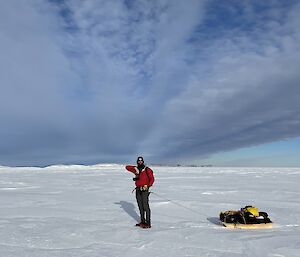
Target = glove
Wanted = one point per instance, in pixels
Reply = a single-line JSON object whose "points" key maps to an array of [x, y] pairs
{"points": [[144, 188], [136, 178]]}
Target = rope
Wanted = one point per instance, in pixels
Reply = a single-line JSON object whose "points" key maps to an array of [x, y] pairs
{"points": [[178, 204]]}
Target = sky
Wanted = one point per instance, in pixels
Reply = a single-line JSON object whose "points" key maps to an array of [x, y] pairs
{"points": [[192, 81]]}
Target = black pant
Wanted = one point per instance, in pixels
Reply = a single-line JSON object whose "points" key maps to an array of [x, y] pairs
{"points": [[142, 198]]}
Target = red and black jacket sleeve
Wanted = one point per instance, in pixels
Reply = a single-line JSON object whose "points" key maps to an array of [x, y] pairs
{"points": [[132, 169]]}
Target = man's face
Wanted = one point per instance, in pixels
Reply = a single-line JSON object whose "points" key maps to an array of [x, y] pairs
{"points": [[140, 161]]}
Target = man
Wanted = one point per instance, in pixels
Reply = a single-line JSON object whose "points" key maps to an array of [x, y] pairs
{"points": [[143, 180]]}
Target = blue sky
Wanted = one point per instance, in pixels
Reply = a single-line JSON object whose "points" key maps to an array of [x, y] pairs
{"points": [[176, 81], [277, 154]]}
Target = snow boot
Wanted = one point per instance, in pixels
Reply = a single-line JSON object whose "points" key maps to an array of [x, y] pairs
{"points": [[145, 225], [139, 224]]}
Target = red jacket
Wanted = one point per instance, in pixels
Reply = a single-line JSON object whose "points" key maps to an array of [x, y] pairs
{"points": [[145, 177]]}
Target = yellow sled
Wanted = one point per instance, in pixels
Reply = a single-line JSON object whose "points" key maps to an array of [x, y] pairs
{"points": [[247, 218]]}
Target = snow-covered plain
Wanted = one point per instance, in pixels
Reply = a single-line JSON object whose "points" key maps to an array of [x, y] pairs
{"points": [[87, 211]]}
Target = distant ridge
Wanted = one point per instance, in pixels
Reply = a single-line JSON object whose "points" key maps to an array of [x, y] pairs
{"points": [[66, 166], [182, 165]]}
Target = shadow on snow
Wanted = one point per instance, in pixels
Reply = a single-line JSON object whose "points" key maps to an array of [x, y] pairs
{"points": [[214, 220], [129, 208]]}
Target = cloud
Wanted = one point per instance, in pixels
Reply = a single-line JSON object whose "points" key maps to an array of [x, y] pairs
{"points": [[33, 68], [246, 95], [92, 81]]}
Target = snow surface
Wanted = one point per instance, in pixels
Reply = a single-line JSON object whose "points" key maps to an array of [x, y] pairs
{"points": [[88, 211]]}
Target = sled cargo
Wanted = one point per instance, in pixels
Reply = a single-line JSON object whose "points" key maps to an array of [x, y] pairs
{"points": [[247, 218]]}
